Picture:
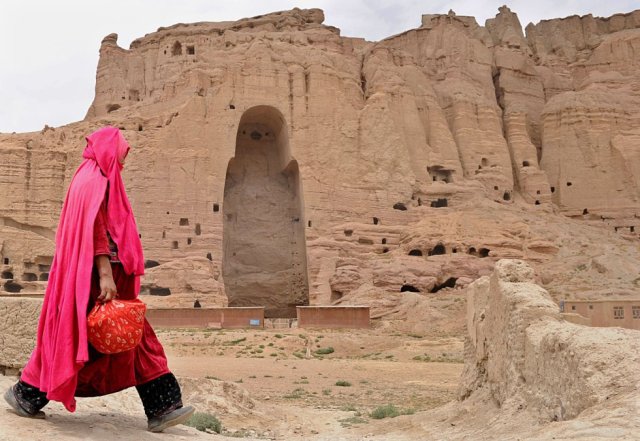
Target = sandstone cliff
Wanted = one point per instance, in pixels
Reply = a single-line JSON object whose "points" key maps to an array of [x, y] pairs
{"points": [[306, 165]]}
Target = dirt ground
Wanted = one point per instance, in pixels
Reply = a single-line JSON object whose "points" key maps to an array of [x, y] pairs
{"points": [[275, 384]]}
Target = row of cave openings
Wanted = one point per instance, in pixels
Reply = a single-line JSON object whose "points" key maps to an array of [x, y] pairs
{"points": [[33, 273], [440, 249], [176, 49]]}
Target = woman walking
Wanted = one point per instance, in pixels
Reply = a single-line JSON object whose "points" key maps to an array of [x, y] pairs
{"points": [[98, 256]]}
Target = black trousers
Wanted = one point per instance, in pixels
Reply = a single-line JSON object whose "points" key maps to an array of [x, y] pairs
{"points": [[159, 397]]}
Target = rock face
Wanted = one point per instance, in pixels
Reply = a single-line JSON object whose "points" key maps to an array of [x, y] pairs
{"points": [[291, 156], [17, 332], [521, 354]]}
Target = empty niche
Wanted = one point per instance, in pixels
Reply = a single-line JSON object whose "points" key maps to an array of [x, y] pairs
{"points": [[409, 288], [43, 277], [537, 202], [365, 241], [44, 268], [6, 261], [376, 221], [176, 49], [348, 233], [309, 224], [335, 295], [484, 252], [191, 50], [449, 283], [209, 256], [159, 291], [454, 251], [440, 202], [506, 196], [569, 184], [151, 263], [439, 173], [188, 241], [525, 163], [385, 250], [538, 192], [484, 162], [112, 107], [415, 252], [232, 107], [197, 304], [553, 189], [198, 230], [12, 287], [216, 208], [384, 241], [472, 251], [184, 221], [6, 275], [164, 234], [174, 245], [29, 277], [437, 250], [399, 206], [632, 229]]}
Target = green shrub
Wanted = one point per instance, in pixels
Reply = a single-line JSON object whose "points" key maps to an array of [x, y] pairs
{"points": [[343, 383], [204, 421], [389, 411], [324, 351]]}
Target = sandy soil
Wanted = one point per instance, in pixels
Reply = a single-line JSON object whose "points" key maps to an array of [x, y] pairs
{"points": [[274, 384]]}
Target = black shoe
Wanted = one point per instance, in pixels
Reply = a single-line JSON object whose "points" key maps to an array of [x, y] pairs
{"points": [[10, 398], [178, 416]]}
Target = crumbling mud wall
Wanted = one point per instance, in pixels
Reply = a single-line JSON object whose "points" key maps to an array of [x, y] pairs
{"points": [[523, 356]]}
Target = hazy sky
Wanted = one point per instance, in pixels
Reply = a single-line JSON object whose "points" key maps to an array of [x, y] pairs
{"points": [[47, 72]]}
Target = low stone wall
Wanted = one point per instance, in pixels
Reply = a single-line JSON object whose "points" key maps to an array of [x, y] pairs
{"points": [[228, 318], [333, 316], [18, 328], [522, 355]]}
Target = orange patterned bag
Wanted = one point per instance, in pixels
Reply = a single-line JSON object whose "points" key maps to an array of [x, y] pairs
{"points": [[116, 326]]}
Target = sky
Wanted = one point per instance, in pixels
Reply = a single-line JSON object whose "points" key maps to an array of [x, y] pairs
{"points": [[50, 47]]}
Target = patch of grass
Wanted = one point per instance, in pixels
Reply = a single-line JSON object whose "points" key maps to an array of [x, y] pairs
{"points": [[389, 411], [203, 421], [348, 408], [211, 377], [278, 336], [348, 422], [343, 383], [234, 342], [296, 393], [298, 355], [325, 351], [326, 392], [415, 335]]}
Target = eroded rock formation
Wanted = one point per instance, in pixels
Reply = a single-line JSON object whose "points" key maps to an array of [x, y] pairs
{"points": [[303, 164]]}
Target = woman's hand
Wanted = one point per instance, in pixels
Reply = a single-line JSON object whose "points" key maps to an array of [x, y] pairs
{"points": [[108, 289]]}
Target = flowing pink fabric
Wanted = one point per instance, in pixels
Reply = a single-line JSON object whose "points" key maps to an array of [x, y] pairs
{"points": [[61, 346]]}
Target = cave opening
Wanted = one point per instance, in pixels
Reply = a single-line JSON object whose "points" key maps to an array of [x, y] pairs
{"points": [[264, 260]]}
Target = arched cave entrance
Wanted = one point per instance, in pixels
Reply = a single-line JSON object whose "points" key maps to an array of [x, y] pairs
{"points": [[264, 260]]}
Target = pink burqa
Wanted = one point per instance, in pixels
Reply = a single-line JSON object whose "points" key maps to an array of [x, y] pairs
{"points": [[61, 347]]}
